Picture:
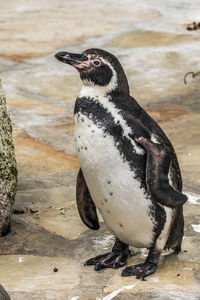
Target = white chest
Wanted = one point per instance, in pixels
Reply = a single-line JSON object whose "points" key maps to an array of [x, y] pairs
{"points": [[112, 184]]}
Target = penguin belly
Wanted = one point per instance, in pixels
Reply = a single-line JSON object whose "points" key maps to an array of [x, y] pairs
{"points": [[115, 190]]}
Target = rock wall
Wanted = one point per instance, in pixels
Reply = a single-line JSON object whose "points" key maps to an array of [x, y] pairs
{"points": [[8, 168]]}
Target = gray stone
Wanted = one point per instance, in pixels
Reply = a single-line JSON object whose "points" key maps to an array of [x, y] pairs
{"points": [[3, 294], [8, 169]]}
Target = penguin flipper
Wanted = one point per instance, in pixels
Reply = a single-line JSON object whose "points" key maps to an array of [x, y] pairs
{"points": [[85, 204], [157, 170]]}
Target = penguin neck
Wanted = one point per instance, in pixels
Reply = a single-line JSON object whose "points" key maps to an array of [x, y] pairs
{"points": [[113, 89]]}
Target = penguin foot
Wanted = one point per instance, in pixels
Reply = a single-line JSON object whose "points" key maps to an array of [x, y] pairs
{"points": [[177, 249], [115, 259], [147, 268], [108, 260], [141, 270]]}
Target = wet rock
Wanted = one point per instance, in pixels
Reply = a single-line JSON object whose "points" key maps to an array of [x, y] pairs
{"points": [[165, 112], [150, 39], [47, 181], [39, 158], [26, 103], [55, 28], [40, 276], [160, 296], [8, 169]]}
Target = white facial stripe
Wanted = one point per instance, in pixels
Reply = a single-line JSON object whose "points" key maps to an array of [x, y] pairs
{"points": [[113, 83]]}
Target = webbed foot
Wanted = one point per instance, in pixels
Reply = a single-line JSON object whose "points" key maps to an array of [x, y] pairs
{"points": [[107, 260], [141, 270], [115, 259], [147, 268]]}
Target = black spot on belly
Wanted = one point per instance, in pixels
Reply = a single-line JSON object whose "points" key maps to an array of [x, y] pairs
{"points": [[82, 147], [108, 211], [106, 200], [89, 125], [82, 120], [79, 136], [121, 225], [111, 193], [102, 203], [78, 150], [104, 119], [85, 148], [108, 182]]}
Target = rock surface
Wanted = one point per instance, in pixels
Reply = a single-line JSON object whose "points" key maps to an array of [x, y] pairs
{"points": [[156, 50], [8, 169], [3, 294]]}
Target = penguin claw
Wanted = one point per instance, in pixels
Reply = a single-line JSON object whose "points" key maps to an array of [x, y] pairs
{"points": [[141, 270], [98, 267]]}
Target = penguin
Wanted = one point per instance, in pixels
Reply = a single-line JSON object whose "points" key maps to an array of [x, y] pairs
{"points": [[128, 168]]}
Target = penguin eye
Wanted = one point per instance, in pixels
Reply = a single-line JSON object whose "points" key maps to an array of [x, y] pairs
{"points": [[96, 62]]}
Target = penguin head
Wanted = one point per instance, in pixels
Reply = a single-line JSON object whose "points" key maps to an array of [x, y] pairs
{"points": [[98, 68]]}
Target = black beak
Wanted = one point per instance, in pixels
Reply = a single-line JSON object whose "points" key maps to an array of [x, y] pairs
{"points": [[71, 58]]}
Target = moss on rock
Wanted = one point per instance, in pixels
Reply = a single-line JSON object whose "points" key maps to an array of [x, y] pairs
{"points": [[8, 167]]}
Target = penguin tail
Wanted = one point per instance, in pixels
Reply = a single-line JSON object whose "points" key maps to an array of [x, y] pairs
{"points": [[177, 231]]}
